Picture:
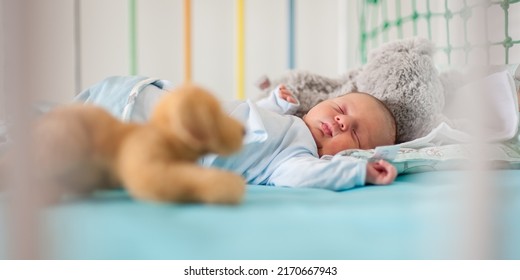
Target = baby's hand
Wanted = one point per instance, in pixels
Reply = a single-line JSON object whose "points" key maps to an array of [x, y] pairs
{"points": [[380, 173], [286, 95]]}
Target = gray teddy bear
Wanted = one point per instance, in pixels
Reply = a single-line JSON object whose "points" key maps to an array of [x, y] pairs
{"points": [[401, 73]]}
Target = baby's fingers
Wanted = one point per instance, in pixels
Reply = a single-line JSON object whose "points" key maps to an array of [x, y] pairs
{"points": [[286, 95], [388, 172], [380, 173]]}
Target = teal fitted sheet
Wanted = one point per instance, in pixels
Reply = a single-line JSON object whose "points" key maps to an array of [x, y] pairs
{"points": [[414, 218]]}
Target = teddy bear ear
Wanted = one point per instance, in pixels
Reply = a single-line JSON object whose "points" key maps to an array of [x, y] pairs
{"points": [[403, 75], [418, 45], [196, 125], [174, 113]]}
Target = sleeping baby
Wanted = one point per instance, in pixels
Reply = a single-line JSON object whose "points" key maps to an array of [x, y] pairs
{"points": [[281, 149], [284, 150]]}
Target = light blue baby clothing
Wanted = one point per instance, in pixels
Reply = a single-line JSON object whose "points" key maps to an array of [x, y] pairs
{"points": [[129, 98], [279, 150]]}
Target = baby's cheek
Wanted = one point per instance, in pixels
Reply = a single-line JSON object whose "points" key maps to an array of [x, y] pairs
{"points": [[341, 143]]}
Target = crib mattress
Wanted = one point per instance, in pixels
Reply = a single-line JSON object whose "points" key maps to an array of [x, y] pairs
{"points": [[414, 218]]}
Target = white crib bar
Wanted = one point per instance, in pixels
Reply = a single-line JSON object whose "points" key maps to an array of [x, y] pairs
{"points": [[24, 195], [478, 224]]}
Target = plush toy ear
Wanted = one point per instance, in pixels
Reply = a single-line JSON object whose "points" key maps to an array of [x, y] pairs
{"points": [[402, 75], [207, 124], [174, 114], [194, 116], [263, 83], [193, 125], [415, 45]]}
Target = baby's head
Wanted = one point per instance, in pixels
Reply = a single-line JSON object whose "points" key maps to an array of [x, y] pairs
{"points": [[352, 121]]}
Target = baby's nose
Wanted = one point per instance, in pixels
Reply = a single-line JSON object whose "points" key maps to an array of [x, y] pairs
{"points": [[342, 122]]}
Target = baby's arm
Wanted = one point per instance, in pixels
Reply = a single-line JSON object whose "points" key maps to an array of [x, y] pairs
{"points": [[338, 173], [380, 173]]}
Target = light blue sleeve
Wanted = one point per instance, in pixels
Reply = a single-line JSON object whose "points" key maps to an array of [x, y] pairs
{"points": [[338, 173], [130, 98], [111, 93], [274, 103]]}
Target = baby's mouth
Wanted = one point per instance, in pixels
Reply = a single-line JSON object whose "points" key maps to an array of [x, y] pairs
{"points": [[326, 129]]}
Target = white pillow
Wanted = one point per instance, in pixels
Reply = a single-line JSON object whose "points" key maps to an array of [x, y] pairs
{"points": [[499, 110]]}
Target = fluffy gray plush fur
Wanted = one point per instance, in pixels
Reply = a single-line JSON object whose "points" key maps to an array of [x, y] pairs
{"points": [[400, 73]]}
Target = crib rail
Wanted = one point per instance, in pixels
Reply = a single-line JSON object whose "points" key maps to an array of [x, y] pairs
{"points": [[446, 22]]}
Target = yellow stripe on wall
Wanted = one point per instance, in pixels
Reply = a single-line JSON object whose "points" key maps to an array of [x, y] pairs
{"points": [[240, 50], [187, 40]]}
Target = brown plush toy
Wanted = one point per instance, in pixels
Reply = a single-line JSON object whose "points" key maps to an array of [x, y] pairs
{"points": [[82, 148]]}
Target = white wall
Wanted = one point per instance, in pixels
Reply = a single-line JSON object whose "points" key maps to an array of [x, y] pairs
{"points": [[48, 47], [105, 41]]}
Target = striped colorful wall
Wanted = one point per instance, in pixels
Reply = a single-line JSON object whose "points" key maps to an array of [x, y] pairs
{"points": [[225, 45], [83, 41]]}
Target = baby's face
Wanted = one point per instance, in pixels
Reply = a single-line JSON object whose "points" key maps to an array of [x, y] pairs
{"points": [[351, 121]]}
